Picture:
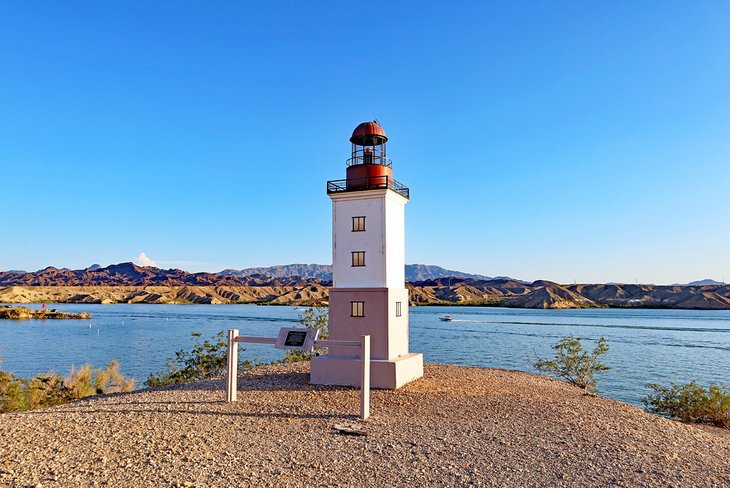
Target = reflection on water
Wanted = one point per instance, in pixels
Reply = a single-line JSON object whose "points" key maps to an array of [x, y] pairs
{"points": [[646, 346]]}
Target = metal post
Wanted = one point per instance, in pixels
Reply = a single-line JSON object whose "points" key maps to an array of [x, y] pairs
{"points": [[365, 378], [232, 366]]}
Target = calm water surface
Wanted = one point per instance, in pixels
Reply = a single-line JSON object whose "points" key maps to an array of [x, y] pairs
{"points": [[646, 346]]}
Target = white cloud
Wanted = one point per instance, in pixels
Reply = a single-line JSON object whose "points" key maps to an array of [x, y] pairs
{"points": [[143, 260]]}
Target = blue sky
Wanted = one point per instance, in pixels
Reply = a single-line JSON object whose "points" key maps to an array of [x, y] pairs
{"points": [[583, 141]]}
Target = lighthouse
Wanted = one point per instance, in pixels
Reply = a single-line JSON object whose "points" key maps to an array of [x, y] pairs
{"points": [[368, 294]]}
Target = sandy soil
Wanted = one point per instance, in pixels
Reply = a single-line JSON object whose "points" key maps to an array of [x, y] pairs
{"points": [[456, 426]]}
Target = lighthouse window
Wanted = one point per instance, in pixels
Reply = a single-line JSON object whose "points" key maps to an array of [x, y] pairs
{"points": [[398, 311], [357, 309], [358, 258], [358, 224]]}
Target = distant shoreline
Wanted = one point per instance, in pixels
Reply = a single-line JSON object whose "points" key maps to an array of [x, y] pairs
{"points": [[130, 283], [24, 313], [470, 293]]}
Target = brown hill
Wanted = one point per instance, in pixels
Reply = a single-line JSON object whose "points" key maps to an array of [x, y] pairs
{"points": [[278, 294], [551, 296], [546, 294]]}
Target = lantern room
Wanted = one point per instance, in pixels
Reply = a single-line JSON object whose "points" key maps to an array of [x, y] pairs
{"points": [[368, 167]]}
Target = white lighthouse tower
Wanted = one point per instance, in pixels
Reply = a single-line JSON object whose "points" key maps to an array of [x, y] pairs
{"points": [[368, 294]]}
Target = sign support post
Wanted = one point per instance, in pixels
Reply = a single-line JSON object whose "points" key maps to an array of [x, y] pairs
{"points": [[232, 363], [365, 383], [298, 340]]}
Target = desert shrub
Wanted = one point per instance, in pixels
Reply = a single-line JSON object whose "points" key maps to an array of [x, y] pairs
{"points": [[49, 389], [573, 364], [46, 390], [78, 382], [111, 380], [312, 318], [690, 403], [206, 359], [87, 381], [12, 393]]}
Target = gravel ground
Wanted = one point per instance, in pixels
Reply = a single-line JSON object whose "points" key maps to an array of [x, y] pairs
{"points": [[456, 426]]}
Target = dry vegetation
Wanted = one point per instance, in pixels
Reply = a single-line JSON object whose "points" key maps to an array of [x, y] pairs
{"points": [[691, 403], [50, 389]]}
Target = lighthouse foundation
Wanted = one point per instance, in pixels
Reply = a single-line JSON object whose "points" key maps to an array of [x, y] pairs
{"points": [[386, 374], [382, 314]]}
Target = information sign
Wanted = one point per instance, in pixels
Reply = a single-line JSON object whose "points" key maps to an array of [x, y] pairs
{"points": [[296, 339]]}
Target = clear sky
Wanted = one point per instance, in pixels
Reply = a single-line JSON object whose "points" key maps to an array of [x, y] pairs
{"points": [[585, 141]]}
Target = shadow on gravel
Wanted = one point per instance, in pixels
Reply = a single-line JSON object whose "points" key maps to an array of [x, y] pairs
{"points": [[196, 402], [272, 382], [201, 412]]}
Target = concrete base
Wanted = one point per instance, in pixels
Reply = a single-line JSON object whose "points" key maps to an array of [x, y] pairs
{"points": [[387, 374]]}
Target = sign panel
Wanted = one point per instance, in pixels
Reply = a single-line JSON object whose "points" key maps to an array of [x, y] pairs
{"points": [[296, 339]]}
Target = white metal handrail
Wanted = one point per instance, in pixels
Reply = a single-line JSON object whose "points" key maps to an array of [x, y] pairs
{"points": [[363, 344]]}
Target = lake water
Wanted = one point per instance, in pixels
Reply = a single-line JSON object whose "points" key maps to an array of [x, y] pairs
{"points": [[646, 346]]}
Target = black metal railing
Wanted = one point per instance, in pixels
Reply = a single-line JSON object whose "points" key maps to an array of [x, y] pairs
{"points": [[370, 183], [369, 159]]}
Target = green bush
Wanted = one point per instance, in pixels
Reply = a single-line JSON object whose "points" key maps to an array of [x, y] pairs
{"points": [[574, 365], [206, 359], [12, 393], [312, 318], [690, 403]]}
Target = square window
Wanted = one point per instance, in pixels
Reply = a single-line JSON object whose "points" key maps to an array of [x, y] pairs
{"points": [[398, 311], [358, 224], [357, 309], [358, 258]]}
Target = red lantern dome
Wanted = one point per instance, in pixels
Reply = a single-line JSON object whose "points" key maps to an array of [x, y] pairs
{"points": [[368, 167], [368, 134]]}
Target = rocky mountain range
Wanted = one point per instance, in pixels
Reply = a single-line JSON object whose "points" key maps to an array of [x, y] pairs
{"points": [[546, 294], [320, 271], [130, 274], [130, 283], [701, 283], [414, 272]]}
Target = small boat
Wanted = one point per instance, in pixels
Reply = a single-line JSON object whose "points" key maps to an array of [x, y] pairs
{"points": [[446, 318]]}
